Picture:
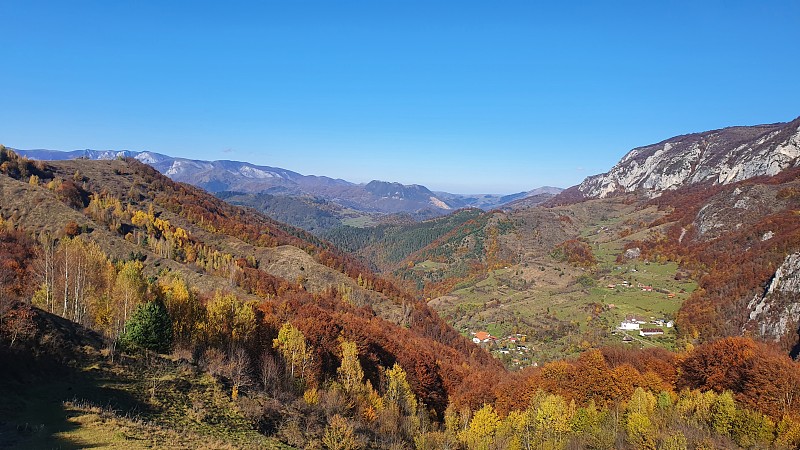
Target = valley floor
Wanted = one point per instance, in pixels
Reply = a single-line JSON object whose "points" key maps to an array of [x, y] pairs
{"points": [[560, 309]]}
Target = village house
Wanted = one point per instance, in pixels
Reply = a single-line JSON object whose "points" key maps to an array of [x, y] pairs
{"points": [[483, 337], [635, 319], [517, 338], [651, 332], [664, 323], [628, 325]]}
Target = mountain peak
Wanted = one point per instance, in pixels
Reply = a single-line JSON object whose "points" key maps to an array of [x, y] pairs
{"points": [[391, 189]]}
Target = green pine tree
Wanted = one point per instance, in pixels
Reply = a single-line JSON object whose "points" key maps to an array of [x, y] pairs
{"points": [[149, 328]]}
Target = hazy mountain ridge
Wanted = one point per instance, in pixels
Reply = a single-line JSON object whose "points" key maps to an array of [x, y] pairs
{"points": [[223, 175], [719, 156], [492, 201]]}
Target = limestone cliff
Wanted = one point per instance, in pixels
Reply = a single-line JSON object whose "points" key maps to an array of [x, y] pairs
{"points": [[718, 157]]}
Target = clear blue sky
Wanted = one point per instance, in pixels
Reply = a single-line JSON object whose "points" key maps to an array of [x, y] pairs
{"points": [[465, 96]]}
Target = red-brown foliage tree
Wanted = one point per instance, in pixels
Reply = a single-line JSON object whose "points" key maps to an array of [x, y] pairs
{"points": [[758, 375], [575, 252]]}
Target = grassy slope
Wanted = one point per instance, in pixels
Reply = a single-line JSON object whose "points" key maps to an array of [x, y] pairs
{"points": [[61, 390], [110, 405]]}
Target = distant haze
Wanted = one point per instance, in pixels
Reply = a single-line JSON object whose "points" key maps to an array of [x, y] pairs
{"points": [[376, 197]]}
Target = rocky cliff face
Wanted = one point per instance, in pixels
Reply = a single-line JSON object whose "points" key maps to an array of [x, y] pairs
{"points": [[777, 311], [718, 157]]}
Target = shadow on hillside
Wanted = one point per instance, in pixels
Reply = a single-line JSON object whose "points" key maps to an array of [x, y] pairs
{"points": [[47, 403]]}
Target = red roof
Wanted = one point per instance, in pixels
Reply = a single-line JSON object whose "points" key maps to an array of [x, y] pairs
{"points": [[482, 335]]}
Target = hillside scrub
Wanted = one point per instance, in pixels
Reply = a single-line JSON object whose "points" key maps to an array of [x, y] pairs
{"points": [[583, 395]]}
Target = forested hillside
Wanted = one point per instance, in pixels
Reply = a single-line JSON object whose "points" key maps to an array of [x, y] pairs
{"points": [[386, 246], [140, 312], [112, 236]]}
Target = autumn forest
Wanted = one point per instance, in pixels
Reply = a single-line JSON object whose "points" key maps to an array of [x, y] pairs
{"points": [[181, 320]]}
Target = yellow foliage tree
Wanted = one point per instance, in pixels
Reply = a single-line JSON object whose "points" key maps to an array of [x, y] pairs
{"points": [[339, 435], [788, 431], [229, 320], [510, 433], [723, 413], [292, 344], [350, 372], [184, 308], [553, 419], [398, 391], [129, 290], [482, 428], [638, 426], [140, 219]]}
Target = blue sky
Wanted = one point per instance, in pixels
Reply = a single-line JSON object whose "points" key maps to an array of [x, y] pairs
{"points": [[464, 96]]}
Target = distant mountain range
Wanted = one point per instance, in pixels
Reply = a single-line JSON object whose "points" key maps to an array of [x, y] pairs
{"points": [[379, 197]]}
